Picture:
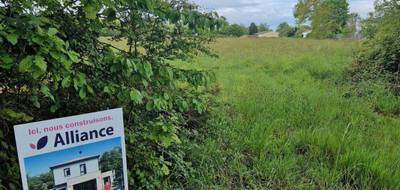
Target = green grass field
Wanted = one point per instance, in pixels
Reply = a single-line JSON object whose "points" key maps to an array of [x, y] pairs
{"points": [[296, 121]]}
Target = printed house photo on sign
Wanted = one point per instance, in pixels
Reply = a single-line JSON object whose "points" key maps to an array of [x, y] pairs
{"points": [[82, 152], [84, 167]]}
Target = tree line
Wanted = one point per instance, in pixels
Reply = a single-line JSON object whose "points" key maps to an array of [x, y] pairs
{"points": [[237, 30], [319, 19]]}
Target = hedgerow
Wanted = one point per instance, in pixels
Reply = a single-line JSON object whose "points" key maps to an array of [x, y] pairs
{"points": [[379, 56], [53, 64]]}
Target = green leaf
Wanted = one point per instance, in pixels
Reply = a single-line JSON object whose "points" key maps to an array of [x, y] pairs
{"points": [[17, 116], [82, 93], [170, 73], [81, 78], [41, 63], [149, 106], [35, 101], [26, 64], [66, 82], [147, 70], [91, 10], [46, 92], [136, 96], [176, 139], [90, 89], [131, 64], [6, 62], [54, 108], [37, 73], [52, 31], [73, 56], [107, 90], [12, 38], [37, 40], [165, 169]]}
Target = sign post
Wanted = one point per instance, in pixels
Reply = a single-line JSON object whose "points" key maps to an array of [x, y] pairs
{"points": [[83, 152]]}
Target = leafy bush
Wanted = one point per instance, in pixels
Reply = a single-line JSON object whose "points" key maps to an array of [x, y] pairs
{"points": [[253, 28], [52, 64], [379, 56], [233, 30], [328, 18], [285, 30]]}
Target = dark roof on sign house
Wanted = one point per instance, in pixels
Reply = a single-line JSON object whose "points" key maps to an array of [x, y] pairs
{"points": [[81, 159]]}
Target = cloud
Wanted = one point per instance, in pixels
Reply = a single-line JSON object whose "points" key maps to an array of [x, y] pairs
{"points": [[362, 7], [272, 12]]}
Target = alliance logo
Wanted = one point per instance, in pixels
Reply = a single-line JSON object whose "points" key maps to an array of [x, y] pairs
{"points": [[42, 142], [71, 137]]}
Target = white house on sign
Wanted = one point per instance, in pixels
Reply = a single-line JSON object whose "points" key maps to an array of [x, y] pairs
{"points": [[81, 174]]}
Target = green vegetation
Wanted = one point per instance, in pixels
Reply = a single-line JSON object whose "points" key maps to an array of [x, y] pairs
{"points": [[41, 182], [283, 113], [285, 30], [237, 30], [54, 64], [379, 58], [253, 28], [233, 30], [263, 27], [296, 121], [112, 161], [328, 18]]}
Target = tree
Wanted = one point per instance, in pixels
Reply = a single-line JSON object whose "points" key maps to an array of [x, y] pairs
{"points": [[351, 29], [54, 62], [328, 17], [41, 182], [384, 11], [253, 28], [300, 30], [234, 30], [304, 10], [112, 161], [285, 30], [379, 56], [264, 27]]}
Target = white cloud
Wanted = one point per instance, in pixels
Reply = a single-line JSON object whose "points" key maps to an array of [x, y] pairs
{"points": [[362, 7], [272, 12]]}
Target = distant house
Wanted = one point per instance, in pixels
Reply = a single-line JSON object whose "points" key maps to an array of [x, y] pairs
{"points": [[267, 35], [81, 174], [306, 33]]}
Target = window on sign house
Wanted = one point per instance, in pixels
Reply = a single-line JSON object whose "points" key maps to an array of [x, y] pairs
{"points": [[83, 169], [67, 172]]}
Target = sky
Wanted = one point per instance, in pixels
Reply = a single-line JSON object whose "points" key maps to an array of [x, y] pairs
{"points": [[272, 12], [41, 164]]}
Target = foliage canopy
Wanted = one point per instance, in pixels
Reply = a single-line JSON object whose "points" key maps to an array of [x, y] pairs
{"points": [[253, 28], [379, 57], [328, 17], [53, 64], [285, 30]]}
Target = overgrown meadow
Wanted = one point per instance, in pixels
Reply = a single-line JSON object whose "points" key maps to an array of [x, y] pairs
{"points": [[296, 121], [279, 113]]}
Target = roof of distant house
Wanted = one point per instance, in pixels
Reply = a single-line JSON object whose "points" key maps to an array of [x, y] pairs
{"points": [[267, 34], [264, 32], [81, 159]]}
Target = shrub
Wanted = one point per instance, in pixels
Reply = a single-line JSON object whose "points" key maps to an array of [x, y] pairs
{"points": [[52, 64], [285, 30], [235, 30], [379, 56]]}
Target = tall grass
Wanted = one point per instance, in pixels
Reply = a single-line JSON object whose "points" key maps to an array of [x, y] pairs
{"points": [[294, 121]]}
